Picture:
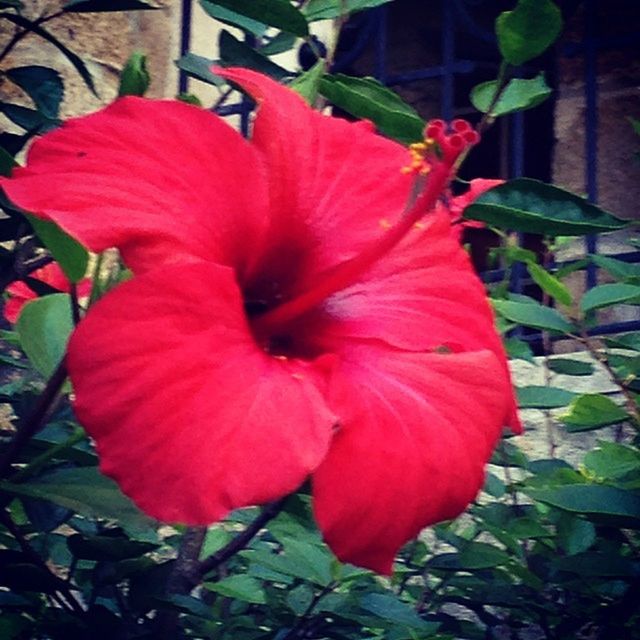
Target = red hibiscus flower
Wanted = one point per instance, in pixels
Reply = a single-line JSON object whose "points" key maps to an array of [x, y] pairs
{"points": [[19, 293], [286, 317]]}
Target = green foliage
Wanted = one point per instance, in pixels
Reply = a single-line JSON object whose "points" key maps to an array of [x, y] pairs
{"points": [[275, 13], [70, 254], [44, 327], [199, 67], [535, 207], [368, 99], [592, 411], [326, 9], [235, 52], [134, 79], [517, 95], [528, 30]]}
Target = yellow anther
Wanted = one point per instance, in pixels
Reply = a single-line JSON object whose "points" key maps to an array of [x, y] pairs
{"points": [[419, 155], [419, 225], [384, 223]]}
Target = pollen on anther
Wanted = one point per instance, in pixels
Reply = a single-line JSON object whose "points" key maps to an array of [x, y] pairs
{"points": [[419, 225], [384, 223]]}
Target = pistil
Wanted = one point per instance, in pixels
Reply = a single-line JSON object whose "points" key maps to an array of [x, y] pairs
{"points": [[433, 175]]}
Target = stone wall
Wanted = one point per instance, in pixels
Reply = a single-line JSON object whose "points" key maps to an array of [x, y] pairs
{"points": [[104, 41]]}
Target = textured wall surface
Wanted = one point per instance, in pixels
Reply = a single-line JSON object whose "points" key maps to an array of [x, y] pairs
{"points": [[104, 41]]}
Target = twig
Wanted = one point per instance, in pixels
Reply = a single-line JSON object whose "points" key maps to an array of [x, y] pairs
{"points": [[546, 351], [75, 305], [269, 512], [630, 403], [182, 579], [32, 425], [188, 571], [299, 629]]}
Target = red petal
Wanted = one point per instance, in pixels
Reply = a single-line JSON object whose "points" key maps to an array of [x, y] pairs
{"points": [[476, 188], [422, 296], [331, 182], [161, 180], [190, 416], [416, 432], [20, 293]]}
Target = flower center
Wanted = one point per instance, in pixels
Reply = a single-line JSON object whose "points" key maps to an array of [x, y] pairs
{"points": [[433, 161]]}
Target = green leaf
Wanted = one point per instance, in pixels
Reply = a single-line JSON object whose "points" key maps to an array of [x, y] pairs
{"points": [[87, 492], [542, 397], [612, 461], [240, 587], [391, 609], [307, 83], [475, 556], [598, 564], [549, 283], [87, 6], [134, 79], [619, 269], [199, 67], [507, 454], [313, 558], [592, 411], [189, 98], [494, 486], [44, 327], [70, 254], [367, 98], [528, 30], [275, 13], [234, 18], [328, 9], [234, 52], [29, 119], [73, 58], [279, 44], [529, 528], [532, 314], [518, 95], [535, 207], [625, 341], [105, 547], [598, 503], [43, 85], [299, 599], [7, 163], [575, 534], [606, 295], [569, 367], [518, 349]]}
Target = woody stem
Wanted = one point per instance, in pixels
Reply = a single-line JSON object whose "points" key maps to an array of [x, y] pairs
{"points": [[346, 273]]}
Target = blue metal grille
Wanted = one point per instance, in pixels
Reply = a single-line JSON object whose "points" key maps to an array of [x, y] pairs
{"points": [[458, 25]]}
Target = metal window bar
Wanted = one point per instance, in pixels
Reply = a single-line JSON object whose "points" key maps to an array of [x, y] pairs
{"points": [[456, 17]]}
